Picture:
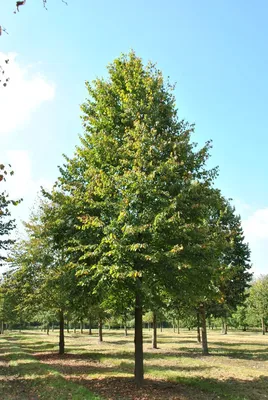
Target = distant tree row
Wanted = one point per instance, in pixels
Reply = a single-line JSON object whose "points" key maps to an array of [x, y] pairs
{"points": [[134, 222]]}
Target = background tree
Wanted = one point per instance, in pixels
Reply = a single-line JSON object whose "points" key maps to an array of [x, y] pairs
{"points": [[258, 300], [41, 274], [6, 223]]}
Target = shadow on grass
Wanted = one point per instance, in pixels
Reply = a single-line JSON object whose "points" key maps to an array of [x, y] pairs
{"points": [[257, 355], [118, 342], [52, 386], [119, 388], [231, 389], [242, 344], [32, 348], [32, 368]]}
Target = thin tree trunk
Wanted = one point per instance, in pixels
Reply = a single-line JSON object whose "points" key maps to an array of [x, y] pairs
{"points": [[139, 374], [61, 342], [100, 331], [225, 326], [125, 326], [154, 332], [48, 329], [178, 325], [224, 329], [203, 329], [89, 326], [263, 326], [198, 327], [161, 326], [81, 327], [2, 327], [68, 326]]}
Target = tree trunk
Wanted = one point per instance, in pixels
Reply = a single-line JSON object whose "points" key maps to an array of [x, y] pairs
{"points": [[139, 374], [178, 325], [89, 326], [100, 331], [61, 342], [81, 327], [161, 326], [198, 327], [125, 327], [154, 332], [263, 326], [68, 327], [203, 329], [224, 326], [2, 327], [48, 329]]}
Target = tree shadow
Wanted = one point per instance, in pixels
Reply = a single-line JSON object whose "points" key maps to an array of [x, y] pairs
{"points": [[257, 355], [119, 342], [32, 348], [241, 344], [119, 388], [12, 372]]}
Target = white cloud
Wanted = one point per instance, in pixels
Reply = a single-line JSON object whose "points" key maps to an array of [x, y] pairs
{"points": [[256, 225], [256, 233], [22, 184], [24, 93]]}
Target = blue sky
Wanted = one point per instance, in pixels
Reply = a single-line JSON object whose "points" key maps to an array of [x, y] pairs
{"points": [[216, 52]]}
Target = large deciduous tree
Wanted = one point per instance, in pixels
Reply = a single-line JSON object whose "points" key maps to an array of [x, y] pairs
{"points": [[145, 208]]}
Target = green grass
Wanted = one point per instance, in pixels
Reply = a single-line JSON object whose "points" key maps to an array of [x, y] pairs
{"points": [[22, 376], [237, 368]]}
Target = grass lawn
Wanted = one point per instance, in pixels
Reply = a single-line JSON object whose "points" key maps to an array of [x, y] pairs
{"points": [[30, 367]]}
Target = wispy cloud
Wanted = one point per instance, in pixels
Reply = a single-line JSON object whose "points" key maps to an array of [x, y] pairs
{"points": [[24, 93]]}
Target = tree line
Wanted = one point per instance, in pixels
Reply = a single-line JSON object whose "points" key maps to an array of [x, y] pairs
{"points": [[134, 222]]}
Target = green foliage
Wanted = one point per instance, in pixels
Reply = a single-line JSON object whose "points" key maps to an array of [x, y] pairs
{"points": [[258, 298], [234, 270], [143, 199], [6, 224]]}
